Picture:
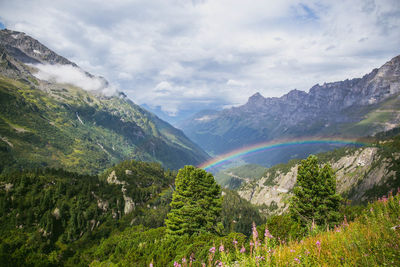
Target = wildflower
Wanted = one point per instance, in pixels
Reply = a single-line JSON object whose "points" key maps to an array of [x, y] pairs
{"points": [[234, 242], [313, 225], [307, 252], [151, 264], [259, 258], [221, 248], [251, 243], [345, 223], [297, 260], [255, 233], [183, 260], [292, 250], [212, 250], [242, 250], [267, 233], [318, 243], [177, 264]]}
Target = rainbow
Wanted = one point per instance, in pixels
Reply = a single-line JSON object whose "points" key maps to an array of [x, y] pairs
{"points": [[252, 149]]}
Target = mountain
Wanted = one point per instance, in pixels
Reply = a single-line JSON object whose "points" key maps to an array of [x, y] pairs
{"points": [[233, 178], [47, 119], [350, 108], [362, 174]]}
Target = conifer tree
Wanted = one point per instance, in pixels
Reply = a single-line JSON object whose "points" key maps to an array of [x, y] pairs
{"points": [[196, 203], [315, 198]]}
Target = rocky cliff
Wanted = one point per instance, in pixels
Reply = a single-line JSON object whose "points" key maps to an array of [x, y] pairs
{"points": [[361, 175]]}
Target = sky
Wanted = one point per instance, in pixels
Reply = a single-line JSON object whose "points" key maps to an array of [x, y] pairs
{"points": [[177, 57]]}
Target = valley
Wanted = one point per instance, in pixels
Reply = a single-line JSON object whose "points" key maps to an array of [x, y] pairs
{"points": [[90, 178]]}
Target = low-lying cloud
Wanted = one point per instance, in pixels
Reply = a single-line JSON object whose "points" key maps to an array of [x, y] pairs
{"points": [[73, 75]]}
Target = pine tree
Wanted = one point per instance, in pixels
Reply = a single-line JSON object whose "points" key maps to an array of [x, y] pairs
{"points": [[196, 203], [315, 198]]}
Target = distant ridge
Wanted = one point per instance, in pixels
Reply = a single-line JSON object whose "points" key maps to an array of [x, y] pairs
{"points": [[347, 109]]}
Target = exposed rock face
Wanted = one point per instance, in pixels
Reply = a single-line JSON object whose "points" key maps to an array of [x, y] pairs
{"points": [[129, 203], [112, 179], [359, 170], [330, 109], [56, 213], [28, 50]]}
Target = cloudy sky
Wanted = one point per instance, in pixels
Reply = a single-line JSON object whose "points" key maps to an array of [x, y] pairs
{"points": [[183, 56]]}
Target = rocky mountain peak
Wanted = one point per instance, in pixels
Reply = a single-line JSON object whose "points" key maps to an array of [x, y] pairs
{"points": [[257, 98], [28, 50]]}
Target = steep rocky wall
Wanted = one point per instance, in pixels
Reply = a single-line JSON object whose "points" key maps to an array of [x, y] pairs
{"points": [[356, 172]]}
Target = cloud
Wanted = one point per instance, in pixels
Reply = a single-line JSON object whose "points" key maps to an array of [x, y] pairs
{"points": [[213, 54], [72, 75]]}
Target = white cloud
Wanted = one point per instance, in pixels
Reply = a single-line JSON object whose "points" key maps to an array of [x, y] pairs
{"points": [[235, 83], [213, 53], [72, 75]]}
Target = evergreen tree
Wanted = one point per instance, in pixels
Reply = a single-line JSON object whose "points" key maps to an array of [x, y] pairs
{"points": [[315, 197], [196, 203]]}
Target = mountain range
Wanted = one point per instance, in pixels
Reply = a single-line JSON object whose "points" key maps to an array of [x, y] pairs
{"points": [[346, 109], [54, 114]]}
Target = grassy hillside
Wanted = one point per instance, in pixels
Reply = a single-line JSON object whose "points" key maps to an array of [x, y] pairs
{"points": [[70, 128], [233, 178], [371, 240]]}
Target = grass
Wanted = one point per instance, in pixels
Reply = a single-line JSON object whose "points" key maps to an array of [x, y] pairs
{"points": [[371, 240]]}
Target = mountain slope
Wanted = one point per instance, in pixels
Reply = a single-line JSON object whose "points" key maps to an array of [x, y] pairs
{"points": [[362, 174], [350, 108], [46, 123]]}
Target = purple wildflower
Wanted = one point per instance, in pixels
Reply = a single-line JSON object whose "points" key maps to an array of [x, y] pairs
{"points": [[318, 243], [297, 260], [234, 242], [212, 250], [221, 248], [267, 233], [255, 233], [151, 264], [242, 250]]}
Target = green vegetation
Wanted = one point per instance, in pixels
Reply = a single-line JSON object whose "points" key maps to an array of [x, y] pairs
{"points": [[371, 240], [67, 127], [48, 216], [233, 178], [196, 203], [314, 196], [238, 214]]}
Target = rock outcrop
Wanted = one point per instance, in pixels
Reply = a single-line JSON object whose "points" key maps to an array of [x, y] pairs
{"points": [[357, 172]]}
